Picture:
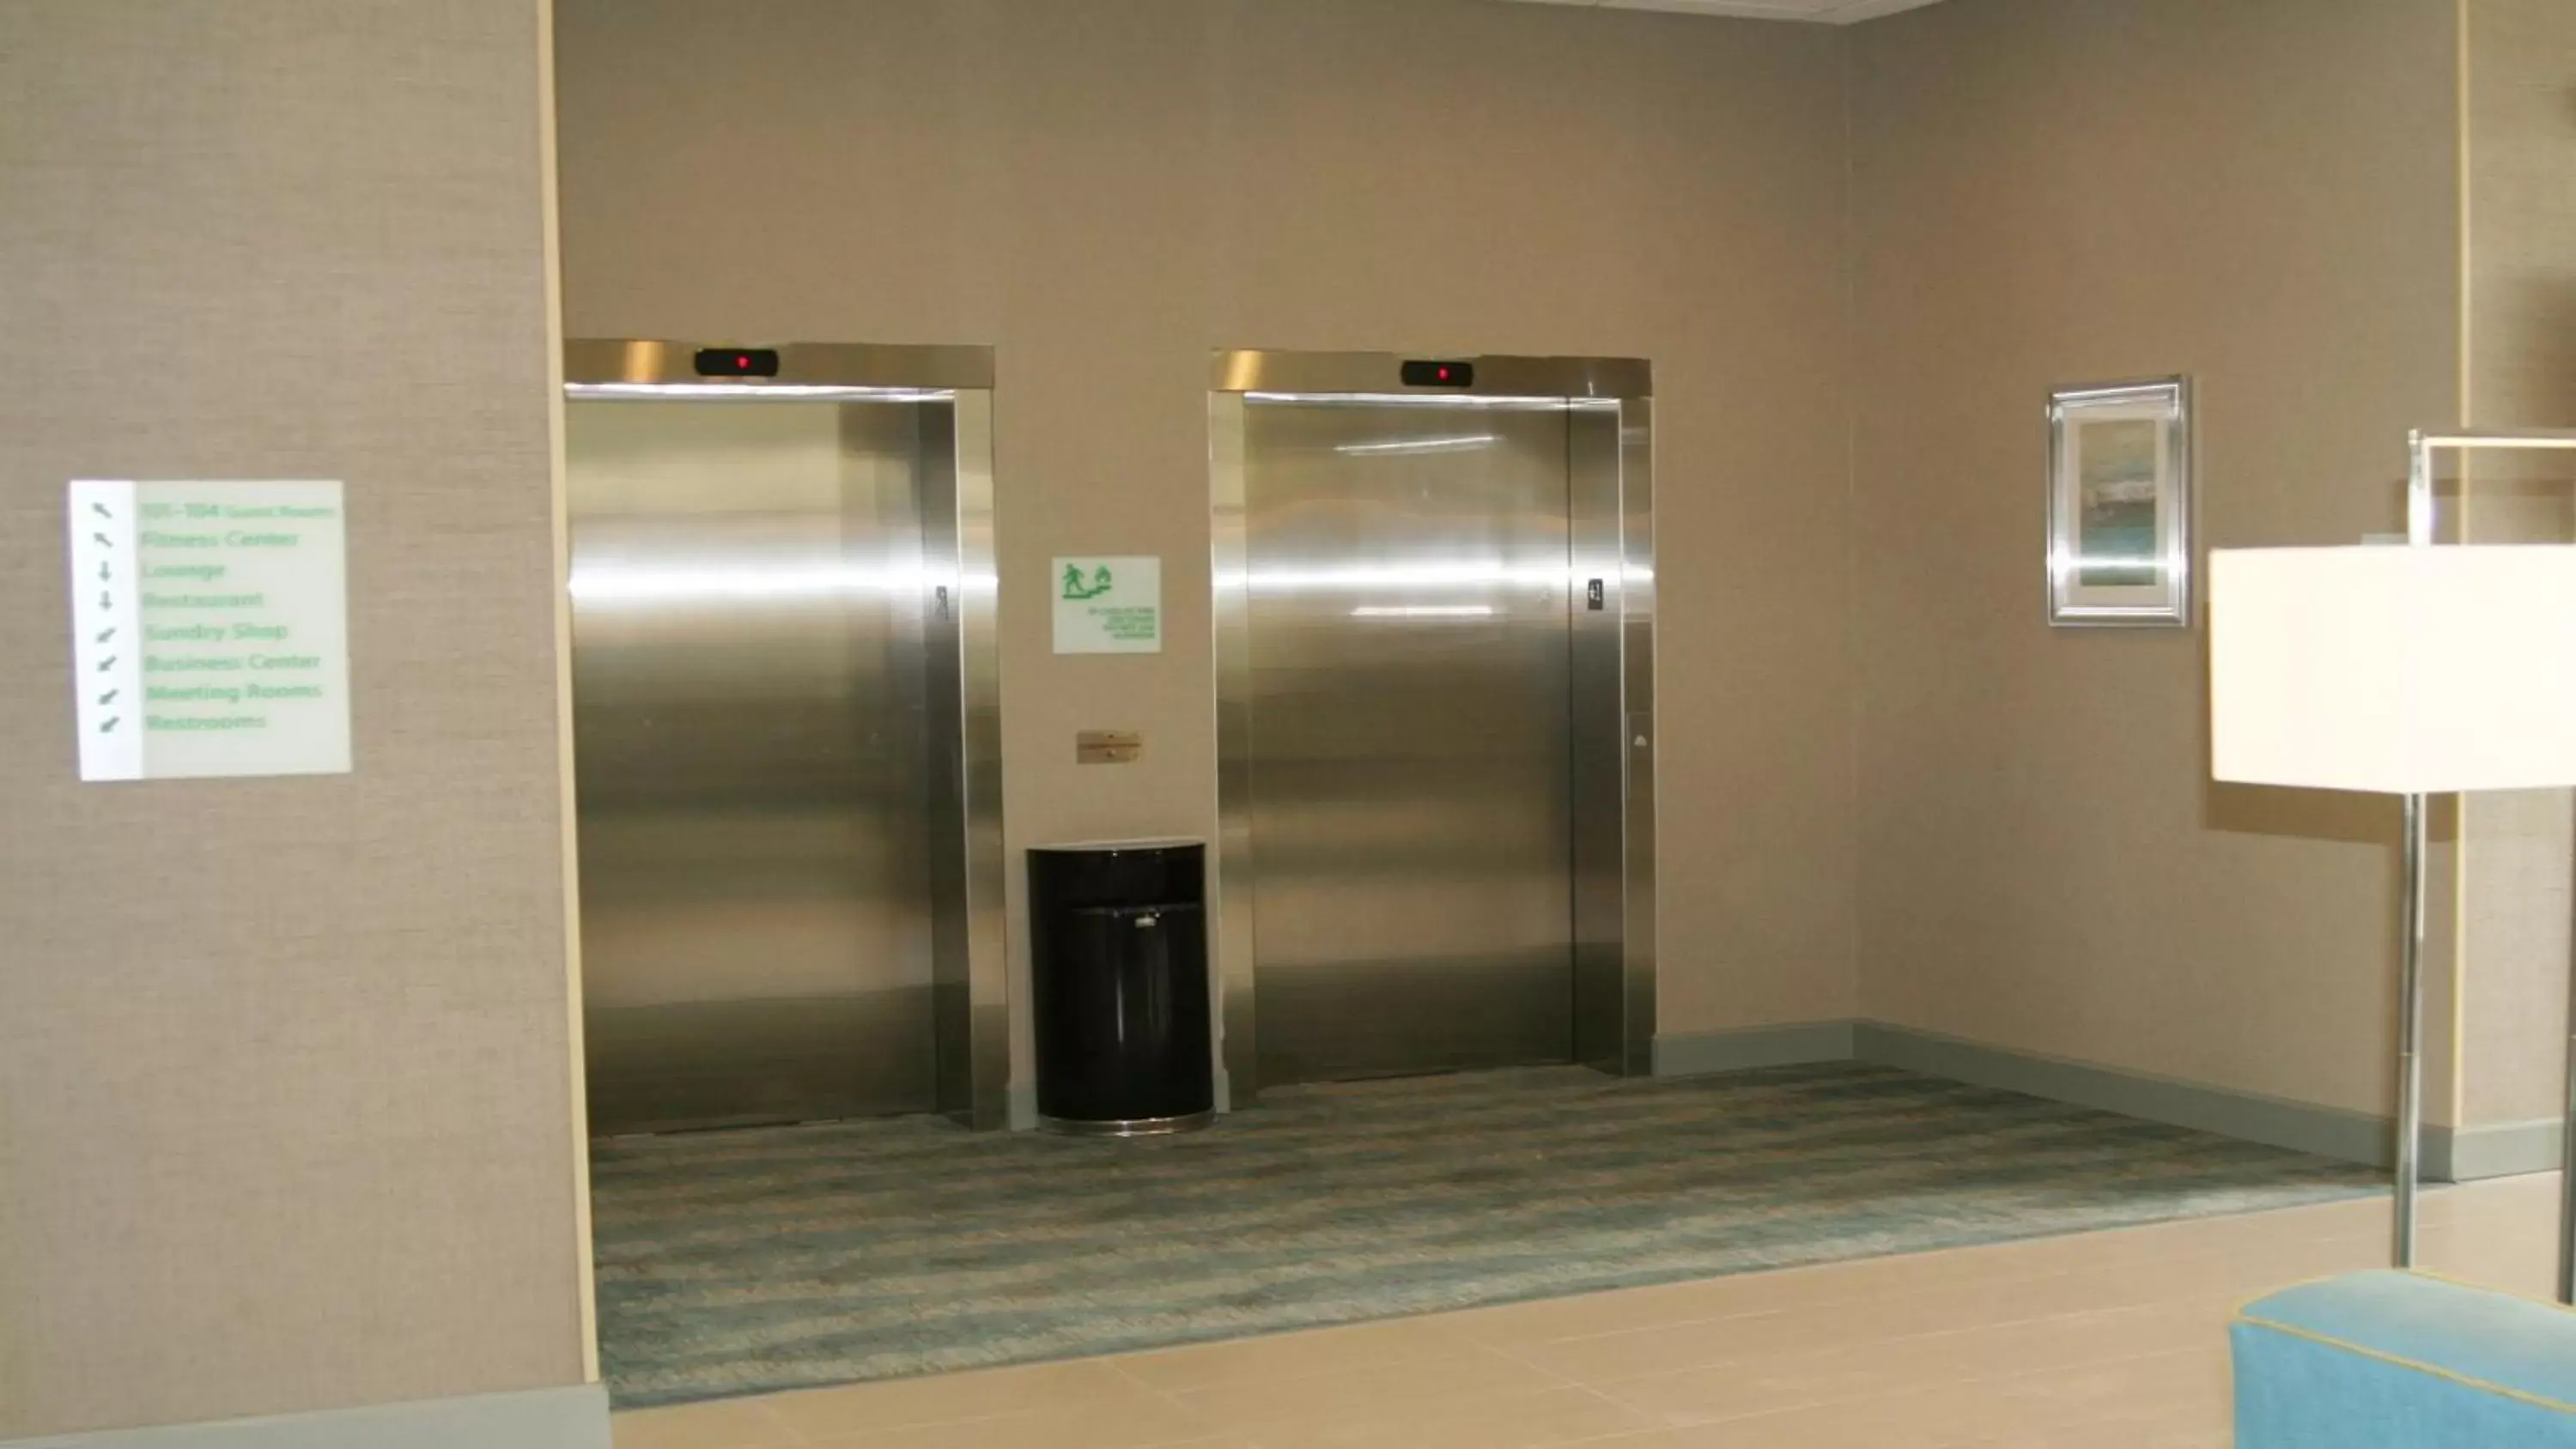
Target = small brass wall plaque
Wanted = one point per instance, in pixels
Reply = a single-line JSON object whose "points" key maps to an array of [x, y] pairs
{"points": [[1107, 747]]}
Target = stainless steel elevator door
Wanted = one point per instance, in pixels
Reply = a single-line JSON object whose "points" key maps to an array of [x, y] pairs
{"points": [[748, 696], [1408, 633]]}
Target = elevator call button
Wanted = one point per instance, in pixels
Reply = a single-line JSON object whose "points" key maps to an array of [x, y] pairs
{"points": [[1107, 747]]}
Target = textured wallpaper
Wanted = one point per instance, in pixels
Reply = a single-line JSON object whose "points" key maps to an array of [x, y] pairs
{"points": [[1104, 192], [2056, 192], [2521, 148], [284, 1065]]}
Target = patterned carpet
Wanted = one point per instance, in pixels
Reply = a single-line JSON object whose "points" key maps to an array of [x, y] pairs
{"points": [[742, 1262]]}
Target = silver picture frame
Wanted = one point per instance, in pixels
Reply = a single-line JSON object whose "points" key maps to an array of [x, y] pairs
{"points": [[2120, 505]]}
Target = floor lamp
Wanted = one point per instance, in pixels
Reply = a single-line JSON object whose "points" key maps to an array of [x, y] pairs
{"points": [[2404, 671]]}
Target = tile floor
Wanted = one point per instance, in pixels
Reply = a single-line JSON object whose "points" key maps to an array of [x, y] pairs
{"points": [[2109, 1340]]}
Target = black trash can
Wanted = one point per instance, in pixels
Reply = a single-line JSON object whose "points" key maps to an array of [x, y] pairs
{"points": [[1118, 961]]}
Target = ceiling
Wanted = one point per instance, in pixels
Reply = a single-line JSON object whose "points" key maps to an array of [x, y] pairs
{"points": [[1830, 12]]}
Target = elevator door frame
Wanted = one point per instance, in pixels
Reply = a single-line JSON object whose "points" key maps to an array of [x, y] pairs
{"points": [[1610, 454], [969, 953]]}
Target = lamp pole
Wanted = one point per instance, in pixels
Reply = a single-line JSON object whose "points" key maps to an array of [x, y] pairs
{"points": [[2410, 1082], [2410, 1032], [2410, 951], [2567, 1170]]}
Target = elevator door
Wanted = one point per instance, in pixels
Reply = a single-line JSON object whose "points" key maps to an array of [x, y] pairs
{"points": [[750, 747], [1408, 634]]}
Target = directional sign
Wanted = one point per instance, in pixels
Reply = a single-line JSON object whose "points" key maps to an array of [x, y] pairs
{"points": [[210, 629]]}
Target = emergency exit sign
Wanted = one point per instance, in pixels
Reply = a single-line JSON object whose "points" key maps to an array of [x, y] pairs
{"points": [[210, 629], [1108, 605]]}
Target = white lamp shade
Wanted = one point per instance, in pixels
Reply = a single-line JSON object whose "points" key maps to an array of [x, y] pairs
{"points": [[2402, 670]]}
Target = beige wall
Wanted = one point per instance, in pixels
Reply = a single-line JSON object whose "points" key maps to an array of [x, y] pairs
{"points": [[284, 1066], [284, 1089], [2258, 195], [2520, 116], [1106, 192]]}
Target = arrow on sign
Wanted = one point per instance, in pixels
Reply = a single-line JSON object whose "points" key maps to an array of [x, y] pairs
{"points": [[107, 664]]}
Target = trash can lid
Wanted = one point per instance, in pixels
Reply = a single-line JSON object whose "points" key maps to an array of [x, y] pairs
{"points": [[1169, 842]]}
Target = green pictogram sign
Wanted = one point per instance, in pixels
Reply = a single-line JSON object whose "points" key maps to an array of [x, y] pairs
{"points": [[1077, 590], [1109, 605]]}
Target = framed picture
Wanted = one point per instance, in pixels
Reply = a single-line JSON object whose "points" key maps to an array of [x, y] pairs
{"points": [[2119, 505]]}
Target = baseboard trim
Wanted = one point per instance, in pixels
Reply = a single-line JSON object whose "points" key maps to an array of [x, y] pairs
{"points": [[571, 1417], [2451, 1154], [2505, 1149], [2303, 1126], [2502, 1149], [1700, 1053]]}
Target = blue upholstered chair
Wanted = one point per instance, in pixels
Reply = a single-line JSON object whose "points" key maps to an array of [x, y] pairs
{"points": [[2382, 1360]]}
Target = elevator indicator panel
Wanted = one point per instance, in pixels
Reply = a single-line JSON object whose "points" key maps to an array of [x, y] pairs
{"points": [[1593, 596], [1440, 374], [737, 362]]}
